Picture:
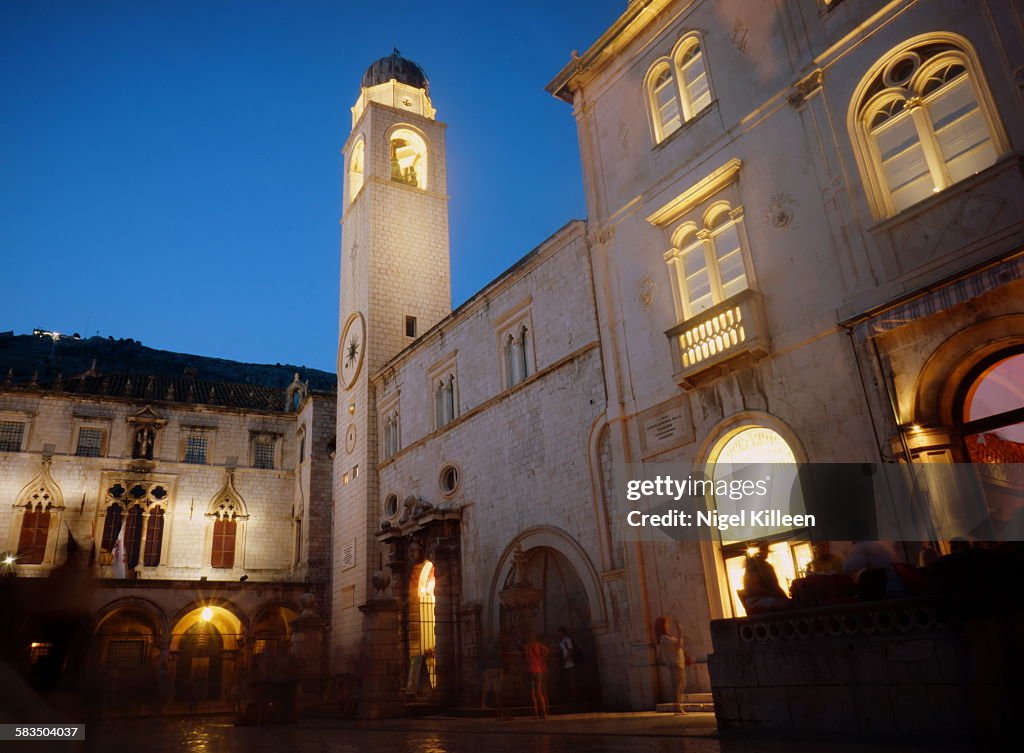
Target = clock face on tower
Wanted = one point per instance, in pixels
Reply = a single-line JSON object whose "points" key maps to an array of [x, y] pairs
{"points": [[350, 350]]}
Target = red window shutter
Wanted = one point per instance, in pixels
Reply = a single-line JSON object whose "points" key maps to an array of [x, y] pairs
{"points": [[154, 537], [35, 527], [224, 543]]}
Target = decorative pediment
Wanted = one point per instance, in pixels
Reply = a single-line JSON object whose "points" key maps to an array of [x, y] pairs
{"points": [[146, 416], [227, 504], [41, 493]]}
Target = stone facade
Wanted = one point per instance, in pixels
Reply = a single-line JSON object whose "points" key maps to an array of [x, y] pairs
{"points": [[88, 451], [777, 156]]}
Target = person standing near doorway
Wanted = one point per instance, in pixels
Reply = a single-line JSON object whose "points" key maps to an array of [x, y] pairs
{"points": [[673, 656], [568, 649], [536, 664]]}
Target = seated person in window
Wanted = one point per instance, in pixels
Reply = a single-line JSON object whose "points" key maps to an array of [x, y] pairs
{"points": [[761, 589], [824, 562]]}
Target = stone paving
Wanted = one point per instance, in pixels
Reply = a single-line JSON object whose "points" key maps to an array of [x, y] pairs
{"points": [[574, 733]]}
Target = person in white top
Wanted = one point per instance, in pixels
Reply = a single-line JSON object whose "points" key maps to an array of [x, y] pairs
{"points": [[568, 649], [673, 655]]}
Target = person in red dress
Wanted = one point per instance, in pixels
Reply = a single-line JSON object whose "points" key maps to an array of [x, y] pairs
{"points": [[536, 664]]}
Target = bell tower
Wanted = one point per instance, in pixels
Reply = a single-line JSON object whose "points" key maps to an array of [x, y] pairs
{"points": [[395, 285]]}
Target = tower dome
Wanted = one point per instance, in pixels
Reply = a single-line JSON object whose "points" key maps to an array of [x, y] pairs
{"points": [[396, 67]]}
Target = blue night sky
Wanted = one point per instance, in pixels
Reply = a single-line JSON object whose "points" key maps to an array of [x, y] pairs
{"points": [[171, 171]]}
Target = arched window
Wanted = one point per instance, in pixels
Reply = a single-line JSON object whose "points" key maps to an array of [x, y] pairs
{"points": [[154, 537], [923, 123], [510, 360], [696, 94], [42, 503], [522, 351], [111, 526], [708, 262], [227, 512], [408, 158], [444, 400], [678, 88], [35, 529], [664, 101], [355, 169], [391, 435], [140, 507]]}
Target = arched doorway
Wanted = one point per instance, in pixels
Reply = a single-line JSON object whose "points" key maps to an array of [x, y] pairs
{"points": [[789, 550], [990, 413], [560, 600], [206, 656], [421, 630], [200, 674]]}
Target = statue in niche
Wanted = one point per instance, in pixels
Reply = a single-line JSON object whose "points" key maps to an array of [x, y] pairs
{"points": [[143, 447]]}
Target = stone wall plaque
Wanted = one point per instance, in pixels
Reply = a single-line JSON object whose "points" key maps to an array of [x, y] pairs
{"points": [[665, 427]]}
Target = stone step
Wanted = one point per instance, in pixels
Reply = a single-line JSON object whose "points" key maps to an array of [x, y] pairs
{"points": [[692, 702]]}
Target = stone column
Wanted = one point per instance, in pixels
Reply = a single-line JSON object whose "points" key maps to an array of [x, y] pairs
{"points": [[381, 693], [950, 487], [472, 646], [307, 647]]}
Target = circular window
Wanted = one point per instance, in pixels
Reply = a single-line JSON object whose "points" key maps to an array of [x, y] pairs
{"points": [[900, 70], [449, 479], [391, 505]]}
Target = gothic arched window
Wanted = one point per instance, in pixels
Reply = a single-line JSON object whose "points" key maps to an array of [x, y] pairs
{"points": [[35, 529], [227, 512]]}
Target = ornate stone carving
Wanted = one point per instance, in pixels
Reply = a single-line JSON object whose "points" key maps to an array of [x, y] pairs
{"points": [[780, 210], [805, 89]]}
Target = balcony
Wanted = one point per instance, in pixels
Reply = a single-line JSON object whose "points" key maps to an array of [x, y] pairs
{"points": [[715, 339]]}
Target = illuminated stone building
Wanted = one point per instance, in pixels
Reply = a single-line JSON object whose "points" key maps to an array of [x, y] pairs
{"points": [[803, 243], [806, 231], [804, 225], [223, 493]]}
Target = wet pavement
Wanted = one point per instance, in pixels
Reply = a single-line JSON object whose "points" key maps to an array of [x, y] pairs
{"points": [[573, 733]]}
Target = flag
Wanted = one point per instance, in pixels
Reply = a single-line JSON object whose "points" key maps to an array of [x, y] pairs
{"points": [[118, 553]]}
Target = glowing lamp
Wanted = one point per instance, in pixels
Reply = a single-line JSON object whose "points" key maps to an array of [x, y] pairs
{"points": [[207, 614]]}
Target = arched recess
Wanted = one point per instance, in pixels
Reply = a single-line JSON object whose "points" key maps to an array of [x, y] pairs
{"points": [[272, 627], [129, 634], [721, 574], [943, 373], [38, 514], [408, 156], [560, 542], [989, 502]]}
